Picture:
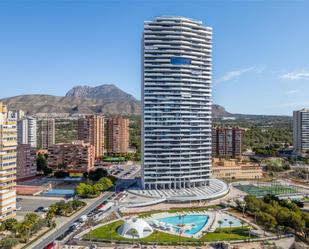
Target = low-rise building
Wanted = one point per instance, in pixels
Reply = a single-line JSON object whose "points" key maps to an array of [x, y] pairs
{"points": [[235, 169], [77, 156], [26, 162]]}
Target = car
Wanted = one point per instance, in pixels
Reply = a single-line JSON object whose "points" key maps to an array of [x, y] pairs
{"points": [[18, 208], [39, 209]]}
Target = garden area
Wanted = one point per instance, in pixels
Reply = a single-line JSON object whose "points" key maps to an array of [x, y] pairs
{"points": [[63, 208], [277, 215], [114, 159], [109, 233], [13, 232]]}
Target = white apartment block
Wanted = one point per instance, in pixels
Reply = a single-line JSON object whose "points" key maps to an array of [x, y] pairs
{"points": [[27, 131], [176, 103]]}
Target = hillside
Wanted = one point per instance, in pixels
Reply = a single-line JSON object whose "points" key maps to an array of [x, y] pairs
{"points": [[106, 99]]}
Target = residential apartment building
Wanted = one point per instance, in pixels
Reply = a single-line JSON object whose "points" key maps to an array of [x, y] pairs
{"points": [[227, 142], [27, 131], [8, 143], [91, 130], [233, 169], [26, 162], [301, 131], [77, 156], [176, 103], [45, 133], [118, 135]]}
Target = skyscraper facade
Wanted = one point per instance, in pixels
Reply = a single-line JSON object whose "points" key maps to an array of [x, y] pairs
{"points": [[26, 162], [45, 133], [301, 131], [227, 142], [176, 103], [118, 135], [91, 130], [8, 143], [27, 131]]}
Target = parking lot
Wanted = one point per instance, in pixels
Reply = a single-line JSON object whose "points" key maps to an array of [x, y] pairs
{"points": [[123, 171], [29, 204]]}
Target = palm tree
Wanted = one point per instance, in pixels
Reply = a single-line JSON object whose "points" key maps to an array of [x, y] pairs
{"points": [[89, 224], [133, 233], [220, 222], [242, 224], [230, 223]]}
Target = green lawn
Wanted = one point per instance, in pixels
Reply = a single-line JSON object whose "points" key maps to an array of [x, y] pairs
{"points": [[114, 159], [109, 231]]}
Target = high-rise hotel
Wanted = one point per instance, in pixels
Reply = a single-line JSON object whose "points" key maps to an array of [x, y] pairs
{"points": [[176, 97], [8, 143], [301, 131]]}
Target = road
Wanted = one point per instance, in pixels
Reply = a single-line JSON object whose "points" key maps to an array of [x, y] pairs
{"points": [[56, 232], [49, 238]]}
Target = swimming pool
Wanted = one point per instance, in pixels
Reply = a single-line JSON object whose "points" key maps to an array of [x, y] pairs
{"points": [[190, 223], [60, 192]]}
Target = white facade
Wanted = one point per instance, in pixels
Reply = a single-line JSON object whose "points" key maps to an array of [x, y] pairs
{"points": [[176, 102], [27, 131], [301, 131]]}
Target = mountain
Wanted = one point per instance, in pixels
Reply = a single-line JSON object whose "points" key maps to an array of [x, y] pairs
{"points": [[106, 99], [106, 91]]}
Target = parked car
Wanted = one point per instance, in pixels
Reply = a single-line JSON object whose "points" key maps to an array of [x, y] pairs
{"points": [[39, 209]]}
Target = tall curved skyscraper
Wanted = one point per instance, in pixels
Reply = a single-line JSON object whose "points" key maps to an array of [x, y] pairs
{"points": [[176, 102]]}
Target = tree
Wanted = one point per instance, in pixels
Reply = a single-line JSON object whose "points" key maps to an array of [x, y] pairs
{"points": [[8, 242], [296, 222], [47, 171], [106, 183], [97, 174], [10, 224], [266, 220], [41, 162], [61, 174], [230, 223], [220, 222], [242, 223]]}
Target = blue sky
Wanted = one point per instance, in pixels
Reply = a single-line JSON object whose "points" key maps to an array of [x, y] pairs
{"points": [[260, 56]]}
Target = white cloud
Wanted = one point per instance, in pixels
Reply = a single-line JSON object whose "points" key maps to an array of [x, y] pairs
{"points": [[291, 92], [236, 73], [296, 75]]}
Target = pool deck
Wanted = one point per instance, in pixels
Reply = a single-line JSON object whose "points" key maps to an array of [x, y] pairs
{"points": [[210, 226]]}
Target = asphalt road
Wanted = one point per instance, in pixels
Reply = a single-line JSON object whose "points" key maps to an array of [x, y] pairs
{"points": [[59, 231]]}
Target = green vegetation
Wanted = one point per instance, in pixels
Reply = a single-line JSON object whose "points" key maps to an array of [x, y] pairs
{"points": [[109, 232], [96, 175], [276, 164], [20, 232], [114, 159], [8, 242], [277, 215], [63, 208], [264, 134], [41, 163], [93, 189], [65, 130]]}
